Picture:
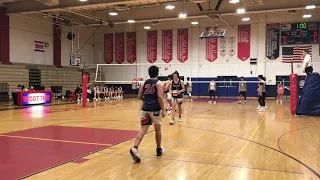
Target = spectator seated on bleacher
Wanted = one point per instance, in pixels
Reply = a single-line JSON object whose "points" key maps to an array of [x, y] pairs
{"points": [[19, 88]]}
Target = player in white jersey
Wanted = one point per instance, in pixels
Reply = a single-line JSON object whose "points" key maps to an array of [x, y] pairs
{"points": [[168, 94], [212, 91], [189, 89]]}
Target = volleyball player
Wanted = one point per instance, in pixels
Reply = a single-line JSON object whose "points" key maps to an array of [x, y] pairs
{"points": [[189, 89], [212, 91], [280, 91], [153, 110], [120, 92], [176, 88], [243, 90], [168, 94], [262, 94]]}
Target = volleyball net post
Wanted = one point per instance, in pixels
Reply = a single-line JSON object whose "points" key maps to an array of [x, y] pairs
{"points": [[84, 89]]}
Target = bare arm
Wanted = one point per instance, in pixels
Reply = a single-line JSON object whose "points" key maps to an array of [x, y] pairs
{"points": [[183, 88], [140, 94], [160, 87], [170, 86], [167, 86]]}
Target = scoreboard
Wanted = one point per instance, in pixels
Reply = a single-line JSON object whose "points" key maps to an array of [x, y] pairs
{"points": [[300, 33]]}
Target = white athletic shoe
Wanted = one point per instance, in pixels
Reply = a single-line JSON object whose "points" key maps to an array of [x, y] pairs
{"points": [[245, 102], [210, 102], [239, 102], [171, 122], [258, 107], [277, 101], [214, 102], [281, 101], [262, 109], [88, 100], [134, 154], [180, 119]]}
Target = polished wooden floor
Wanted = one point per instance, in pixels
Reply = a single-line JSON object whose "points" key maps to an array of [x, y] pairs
{"points": [[214, 141]]}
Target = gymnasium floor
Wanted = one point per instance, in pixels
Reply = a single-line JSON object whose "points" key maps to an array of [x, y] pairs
{"points": [[215, 141]]}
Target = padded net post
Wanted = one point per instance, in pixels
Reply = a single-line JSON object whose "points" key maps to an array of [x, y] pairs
{"points": [[84, 89], [294, 93]]}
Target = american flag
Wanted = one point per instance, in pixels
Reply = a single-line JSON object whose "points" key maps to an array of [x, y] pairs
{"points": [[294, 53]]}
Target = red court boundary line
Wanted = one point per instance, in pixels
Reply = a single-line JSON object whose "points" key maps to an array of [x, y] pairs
{"points": [[279, 139]]}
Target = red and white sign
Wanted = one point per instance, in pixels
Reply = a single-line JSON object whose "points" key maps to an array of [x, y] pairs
{"points": [[39, 46], [108, 48], [131, 47], [36, 98], [182, 45], [211, 49], [119, 43], [152, 46], [167, 45], [244, 42]]}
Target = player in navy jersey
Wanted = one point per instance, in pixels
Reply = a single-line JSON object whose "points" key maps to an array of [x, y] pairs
{"points": [[152, 111], [176, 88]]}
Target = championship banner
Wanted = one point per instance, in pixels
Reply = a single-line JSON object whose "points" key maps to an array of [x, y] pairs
{"points": [[273, 41], [108, 48], [167, 45], [131, 47], [211, 49], [223, 47], [119, 42], [244, 42], [294, 93], [231, 46], [39, 46], [152, 46], [182, 45]]}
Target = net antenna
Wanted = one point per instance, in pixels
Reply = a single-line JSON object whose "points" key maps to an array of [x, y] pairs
{"points": [[218, 29]]}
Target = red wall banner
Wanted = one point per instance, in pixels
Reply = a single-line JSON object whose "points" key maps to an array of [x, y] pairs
{"points": [[167, 45], [108, 48], [211, 49], [182, 45], [243, 42], [152, 46], [119, 41], [131, 47]]}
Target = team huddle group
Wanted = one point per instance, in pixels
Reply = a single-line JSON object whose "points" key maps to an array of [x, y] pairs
{"points": [[107, 93]]}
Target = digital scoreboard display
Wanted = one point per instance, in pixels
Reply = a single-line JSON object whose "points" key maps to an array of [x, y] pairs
{"points": [[300, 33]]}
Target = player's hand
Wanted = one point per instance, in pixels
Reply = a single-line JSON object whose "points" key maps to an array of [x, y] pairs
{"points": [[163, 113]]}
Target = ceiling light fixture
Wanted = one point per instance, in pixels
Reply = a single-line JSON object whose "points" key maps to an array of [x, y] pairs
{"points": [[241, 11], [307, 16], [83, 0], [310, 7], [147, 27], [113, 13], [182, 15], [245, 19], [170, 7], [234, 1], [194, 23], [131, 21]]}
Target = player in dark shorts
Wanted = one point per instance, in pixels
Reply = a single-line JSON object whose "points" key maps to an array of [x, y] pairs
{"points": [[176, 88], [243, 90], [152, 111], [262, 94]]}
